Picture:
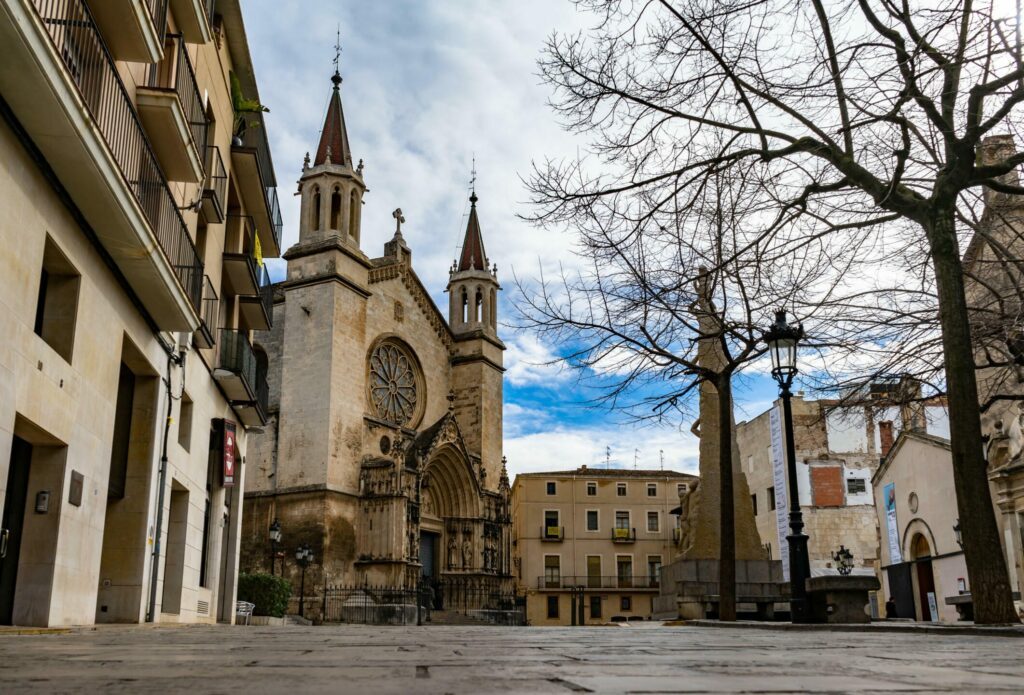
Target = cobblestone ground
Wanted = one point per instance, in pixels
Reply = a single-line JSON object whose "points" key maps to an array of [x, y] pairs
{"points": [[362, 659]]}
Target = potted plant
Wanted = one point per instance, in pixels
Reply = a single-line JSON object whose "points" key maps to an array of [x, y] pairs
{"points": [[242, 106]]}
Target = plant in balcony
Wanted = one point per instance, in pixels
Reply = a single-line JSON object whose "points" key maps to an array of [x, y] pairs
{"points": [[242, 106]]}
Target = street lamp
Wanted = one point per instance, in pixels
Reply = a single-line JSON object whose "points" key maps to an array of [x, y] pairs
{"points": [[844, 560], [956, 533], [303, 556], [275, 538], [782, 340]]}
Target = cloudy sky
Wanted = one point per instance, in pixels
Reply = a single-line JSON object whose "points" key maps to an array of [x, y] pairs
{"points": [[428, 85]]}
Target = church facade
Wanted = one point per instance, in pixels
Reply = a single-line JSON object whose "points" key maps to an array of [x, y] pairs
{"points": [[383, 452]]}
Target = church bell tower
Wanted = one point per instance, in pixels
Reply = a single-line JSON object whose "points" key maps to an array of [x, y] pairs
{"points": [[478, 355]]}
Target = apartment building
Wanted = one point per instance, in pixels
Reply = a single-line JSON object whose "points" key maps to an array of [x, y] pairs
{"points": [[135, 210], [588, 544]]}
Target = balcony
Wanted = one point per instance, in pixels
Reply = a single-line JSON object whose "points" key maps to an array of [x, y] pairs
{"points": [[254, 173], [63, 87], [598, 582], [215, 188], [132, 30], [171, 108], [241, 270], [257, 310], [624, 535], [552, 533], [241, 378], [205, 335], [195, 19]]}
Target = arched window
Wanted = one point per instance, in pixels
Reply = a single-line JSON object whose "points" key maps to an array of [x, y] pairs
{"points": [[353, 215], [336, 209], [479, 312], [315, 212], [465, 306], [493, 306]]}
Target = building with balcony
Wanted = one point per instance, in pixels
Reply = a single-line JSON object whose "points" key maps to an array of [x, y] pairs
{"points": [[588, 544], [135, 211]]}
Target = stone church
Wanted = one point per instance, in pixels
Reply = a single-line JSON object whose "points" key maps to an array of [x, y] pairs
{"points": [[383, 450]]}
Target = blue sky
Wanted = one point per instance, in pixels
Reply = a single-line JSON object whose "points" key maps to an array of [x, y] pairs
{"points": [[428, 86]]}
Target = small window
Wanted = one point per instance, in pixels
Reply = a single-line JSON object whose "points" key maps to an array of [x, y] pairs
{"points": [[552, 527], [595, 607], [57, 303], [185, 423], [652, 489], [591, 489], [654, 569], [652, 522], [753, 501], [552, 606], [626, 603], [551, 487], [592, 521], [622, 519], [771, 498], [620, 489], [856, 486], [682, 488]]}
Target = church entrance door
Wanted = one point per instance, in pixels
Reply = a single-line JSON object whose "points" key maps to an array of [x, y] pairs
{"points": [[429, 543]]}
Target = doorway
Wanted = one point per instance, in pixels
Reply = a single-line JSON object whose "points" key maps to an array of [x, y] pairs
{"points": [[12, 525], [429, 543], [922, 554], [174, 562]]}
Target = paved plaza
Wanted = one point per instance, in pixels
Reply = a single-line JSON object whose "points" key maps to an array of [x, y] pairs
{"points": [[455, 659]]}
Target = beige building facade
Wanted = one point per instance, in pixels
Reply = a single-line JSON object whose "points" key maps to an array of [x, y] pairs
{"points": [[589, 544], [384, 450], [130, 215]]}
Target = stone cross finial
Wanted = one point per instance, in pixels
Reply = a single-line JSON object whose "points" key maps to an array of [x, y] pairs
{"points": [[359, 169], [399, 219], [305, 162]]}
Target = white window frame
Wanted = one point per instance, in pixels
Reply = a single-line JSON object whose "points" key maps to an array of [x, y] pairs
{"points": [[587, 488], [650, 487], [657, 519], [586, 520], [624, 487]]}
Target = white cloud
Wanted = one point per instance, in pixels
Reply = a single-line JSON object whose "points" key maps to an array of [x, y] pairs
{"points": [[530, 361]]}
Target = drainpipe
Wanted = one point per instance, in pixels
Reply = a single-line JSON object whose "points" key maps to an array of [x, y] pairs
{"points": [[154, 571]]}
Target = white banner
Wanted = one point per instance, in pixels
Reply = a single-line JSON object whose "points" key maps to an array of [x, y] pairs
{"points": [[892, 528], [779, 479]]}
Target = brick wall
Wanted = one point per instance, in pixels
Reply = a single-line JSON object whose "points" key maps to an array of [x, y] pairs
{"points": [[827, 486]]}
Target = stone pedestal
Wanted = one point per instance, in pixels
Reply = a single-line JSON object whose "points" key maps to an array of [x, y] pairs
{"points": [[838, 599], [689, 589]]}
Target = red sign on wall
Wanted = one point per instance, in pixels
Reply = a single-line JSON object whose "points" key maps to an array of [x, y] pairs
{"points": [[229, 453]]}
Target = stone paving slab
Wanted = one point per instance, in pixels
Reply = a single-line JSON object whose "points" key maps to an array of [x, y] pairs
{"points": [[457, 659]]}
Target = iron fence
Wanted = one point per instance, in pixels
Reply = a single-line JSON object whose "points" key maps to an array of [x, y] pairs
{"points": [[77, 41], [480, 600]]}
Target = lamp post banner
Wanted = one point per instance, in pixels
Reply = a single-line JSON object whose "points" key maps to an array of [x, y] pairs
{"points": [[892, 529], [779, 481]]}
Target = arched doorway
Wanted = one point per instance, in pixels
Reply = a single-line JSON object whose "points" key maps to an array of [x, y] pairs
{"points": [[449, 495], [924, 579]]}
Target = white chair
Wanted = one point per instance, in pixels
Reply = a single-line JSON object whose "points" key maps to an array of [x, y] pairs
{"points": [[244, 609]]}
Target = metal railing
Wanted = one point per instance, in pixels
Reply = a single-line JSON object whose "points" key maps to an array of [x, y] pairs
{"points": [[238, 357], [175, 72], [210, 5], [552, 533], [158, 13], [78, 43], [598, 582], [210, 312], [216, 176], [276, 221], [623, 535], [267, 293], [409, 605], [255, 138]]}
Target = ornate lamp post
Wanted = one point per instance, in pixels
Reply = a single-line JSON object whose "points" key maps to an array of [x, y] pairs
{"points": [[782, 340], [844, 560], [303, 556], [275, 538]]}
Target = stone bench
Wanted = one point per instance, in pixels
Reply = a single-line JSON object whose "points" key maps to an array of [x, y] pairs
{"points": [[835, 598], [964, 604]]}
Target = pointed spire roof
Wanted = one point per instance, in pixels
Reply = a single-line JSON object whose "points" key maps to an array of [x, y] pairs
{"points": [[334, 138], [473, 255]]}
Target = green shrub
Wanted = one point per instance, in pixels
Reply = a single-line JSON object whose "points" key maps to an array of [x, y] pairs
{"points": [[270, 593]]}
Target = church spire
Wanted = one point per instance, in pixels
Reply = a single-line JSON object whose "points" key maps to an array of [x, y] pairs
{"points": [[473, 255], [334, 138]]}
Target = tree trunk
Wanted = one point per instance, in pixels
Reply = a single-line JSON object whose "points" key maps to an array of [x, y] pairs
{"points": [[986, 566], [727, 519]]}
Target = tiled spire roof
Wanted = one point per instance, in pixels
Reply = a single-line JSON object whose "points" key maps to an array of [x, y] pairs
{"points": [[473, 255], [334, 138]]}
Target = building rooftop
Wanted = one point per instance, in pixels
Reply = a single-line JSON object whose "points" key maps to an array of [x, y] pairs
{"points": [[607, 473]]}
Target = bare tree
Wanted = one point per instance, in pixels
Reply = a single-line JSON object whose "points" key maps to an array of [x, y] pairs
{"points": [[866, 114]]}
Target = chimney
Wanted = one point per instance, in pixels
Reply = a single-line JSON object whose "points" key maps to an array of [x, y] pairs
{"points": [[885, 436], [993, 150]]}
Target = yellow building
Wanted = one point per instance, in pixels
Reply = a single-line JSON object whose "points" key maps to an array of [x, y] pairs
{"points": [[135, 205], [589, 544]]}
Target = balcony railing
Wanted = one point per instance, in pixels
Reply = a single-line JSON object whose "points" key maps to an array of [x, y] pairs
{"points": [[158, 13], [76, 39], [276, 221], [215, 188], [255, 138], [552, 533], [267, 293], [205, 335], [597, 582], [238, 357], [175, 72], [624, 535]]}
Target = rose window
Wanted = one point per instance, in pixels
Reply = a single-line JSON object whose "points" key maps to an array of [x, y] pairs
{"points": [[392, 384]]}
